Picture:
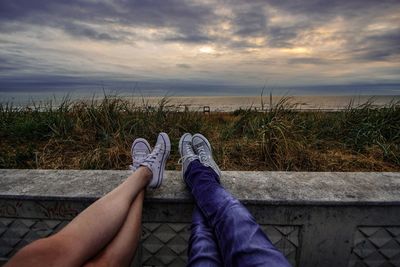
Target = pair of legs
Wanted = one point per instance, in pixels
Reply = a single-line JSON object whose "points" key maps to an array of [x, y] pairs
{"points": [[105, 234], [224, 233], [108, 232]]}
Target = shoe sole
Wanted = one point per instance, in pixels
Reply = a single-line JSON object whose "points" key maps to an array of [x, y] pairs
{"points": [[167, 144], [140, 140]]}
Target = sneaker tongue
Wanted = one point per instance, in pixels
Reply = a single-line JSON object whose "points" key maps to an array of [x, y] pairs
{"points": [[188, 147], [198, 145], [139, 155]]}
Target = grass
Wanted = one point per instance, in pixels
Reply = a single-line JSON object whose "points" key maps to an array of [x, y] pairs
{"points": [[98, 135]]}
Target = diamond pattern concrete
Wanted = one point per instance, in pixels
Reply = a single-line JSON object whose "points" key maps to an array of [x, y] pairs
{"points": [[376, 247], [17, 233], [165, 244]]}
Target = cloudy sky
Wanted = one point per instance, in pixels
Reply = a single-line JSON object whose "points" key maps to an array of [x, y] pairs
{"points": [[199, 45]]}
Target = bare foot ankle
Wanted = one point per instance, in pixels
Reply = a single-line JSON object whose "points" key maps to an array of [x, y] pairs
{"points": [[146, 172]]}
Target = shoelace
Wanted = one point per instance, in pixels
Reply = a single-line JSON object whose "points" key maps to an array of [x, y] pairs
{"points": [[138, 159], [203, 156], [153, 155], [188, 155], [206, 160]]}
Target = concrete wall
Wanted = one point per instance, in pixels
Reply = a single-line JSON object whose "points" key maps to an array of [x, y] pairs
{"points": [[315, 219]]}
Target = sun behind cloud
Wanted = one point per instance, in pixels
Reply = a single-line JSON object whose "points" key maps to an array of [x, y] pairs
{"points": [[207, 50]]}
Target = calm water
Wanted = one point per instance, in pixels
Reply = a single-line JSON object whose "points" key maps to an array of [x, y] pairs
{"points": [[216, 103], [230, 103]]}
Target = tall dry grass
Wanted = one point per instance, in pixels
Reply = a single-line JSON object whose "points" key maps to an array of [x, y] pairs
{"points": [[97, 134]]}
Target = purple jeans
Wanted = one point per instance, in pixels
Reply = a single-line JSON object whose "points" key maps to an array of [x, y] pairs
{"points": [[224, 233]]}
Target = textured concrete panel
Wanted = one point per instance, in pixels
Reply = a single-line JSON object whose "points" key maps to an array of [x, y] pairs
{"points": [[162, 244], [285, 238], [165, 244], [16, 233], [376, 246]]}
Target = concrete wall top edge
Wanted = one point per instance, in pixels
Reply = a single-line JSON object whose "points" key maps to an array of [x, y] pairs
{"points": [[331, 188]]}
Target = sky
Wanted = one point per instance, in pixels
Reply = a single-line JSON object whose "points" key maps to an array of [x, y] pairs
{"points": [[201, 46]]}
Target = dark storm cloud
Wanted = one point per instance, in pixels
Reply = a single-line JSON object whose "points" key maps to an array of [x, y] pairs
{"points": [[15, 62], [73, 17], [189, 20], [7, 64], [379, 47], [42, 83], [282, 36], [318, 10], [254, 21], [250, 23], [187, 38], [78, 30]]}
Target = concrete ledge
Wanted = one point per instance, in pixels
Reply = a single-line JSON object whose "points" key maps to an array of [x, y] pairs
{"points": [[314, 218], [314, 188]]}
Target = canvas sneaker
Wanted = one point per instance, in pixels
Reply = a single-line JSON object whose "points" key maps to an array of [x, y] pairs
{"points": [[139, 151], [156, 160], [202, 148], [186, 152]]}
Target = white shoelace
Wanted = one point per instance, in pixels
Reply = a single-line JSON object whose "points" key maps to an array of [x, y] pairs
{"points": [[189, 154], [203, 156], [138, 159], [153, 155]]}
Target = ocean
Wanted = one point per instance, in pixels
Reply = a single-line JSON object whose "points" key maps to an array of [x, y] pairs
{"points": [[215, 103], [231, 103]]}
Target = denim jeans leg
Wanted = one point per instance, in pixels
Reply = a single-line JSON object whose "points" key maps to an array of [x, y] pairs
{"points": [[203, 250], [240, 238]]}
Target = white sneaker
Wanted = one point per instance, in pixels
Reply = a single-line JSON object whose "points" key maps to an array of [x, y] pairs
{"points": [[139, 151], [186, 152], [156, 160], [202, 148]]}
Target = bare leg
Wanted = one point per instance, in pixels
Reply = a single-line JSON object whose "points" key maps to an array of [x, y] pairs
{"points": [[120, 251], [89, 232]]}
